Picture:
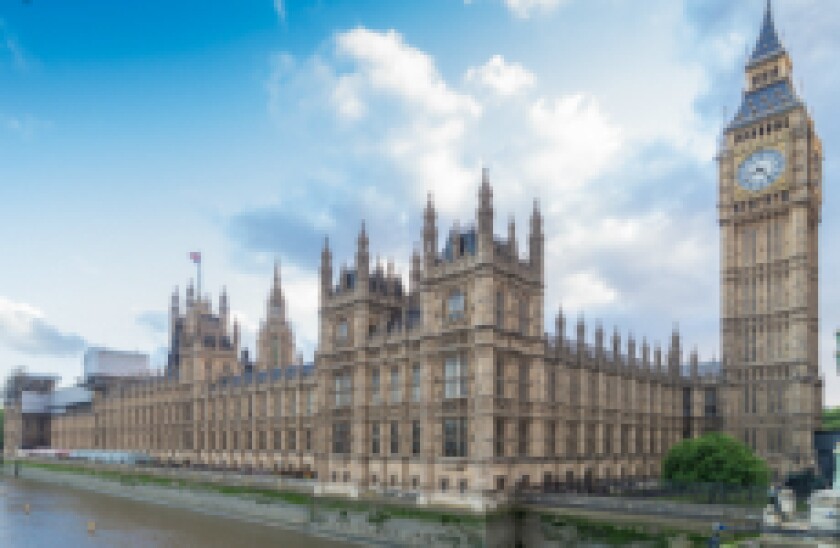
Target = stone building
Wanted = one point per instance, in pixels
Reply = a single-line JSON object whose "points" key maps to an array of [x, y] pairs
{"points": [[26, 418], [451, 383], [445, 386], [769, 207]]}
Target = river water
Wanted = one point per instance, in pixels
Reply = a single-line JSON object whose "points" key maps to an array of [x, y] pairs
{"points": [[59, 516]]}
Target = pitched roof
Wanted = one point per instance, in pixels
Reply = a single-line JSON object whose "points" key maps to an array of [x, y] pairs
{"points": [[776, 98], [768, 44]]}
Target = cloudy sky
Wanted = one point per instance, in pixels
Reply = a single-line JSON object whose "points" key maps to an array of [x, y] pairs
{"points": [[133, 133]]}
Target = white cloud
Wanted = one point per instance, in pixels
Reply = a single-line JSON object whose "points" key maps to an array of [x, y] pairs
{"points": [[280, 9], [347, 100], [25, 127], [586, 289], [392, 108], [575, 141], [525, 9], [388, 65], [23, 328], [503, 78], [282, 65], [11, 45]]}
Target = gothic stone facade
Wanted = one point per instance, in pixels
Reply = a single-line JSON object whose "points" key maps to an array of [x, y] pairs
{"points": [[451, 384], [446, 386], [770, 198]]}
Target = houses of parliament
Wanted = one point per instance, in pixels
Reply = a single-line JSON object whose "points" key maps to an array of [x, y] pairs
{"points": [[448, 382]]}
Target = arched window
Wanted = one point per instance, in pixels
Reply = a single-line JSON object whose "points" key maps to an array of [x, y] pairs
{"points": [[455, 305], [341, 330], [523, 316], [500, 310]]}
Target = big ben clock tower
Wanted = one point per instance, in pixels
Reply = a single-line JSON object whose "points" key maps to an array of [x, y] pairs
{"points": [[770, 197]]}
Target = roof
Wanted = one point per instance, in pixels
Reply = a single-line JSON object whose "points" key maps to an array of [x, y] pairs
{"points": [[467, 242], [768, 44], [776, 98]]}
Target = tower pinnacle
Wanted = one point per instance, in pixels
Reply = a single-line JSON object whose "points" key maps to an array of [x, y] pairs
{"points": [[768, 44]]}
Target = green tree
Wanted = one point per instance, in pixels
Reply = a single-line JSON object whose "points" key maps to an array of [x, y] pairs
{"points": [[831, 418], [1, 428], [714, 458]]}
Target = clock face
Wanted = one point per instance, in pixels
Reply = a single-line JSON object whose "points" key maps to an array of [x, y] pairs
{"points": [[761, 169]]}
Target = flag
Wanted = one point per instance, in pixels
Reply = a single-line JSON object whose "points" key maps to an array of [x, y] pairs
{"points": [[195, 256]]}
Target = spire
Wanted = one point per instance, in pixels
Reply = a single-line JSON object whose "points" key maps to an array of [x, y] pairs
{"points": [[276, 297], [485, 214], [326, 269], [223, 301], [362, 260], [513, 248], [768, 43], [536, 242], [429, 232], [363, 238]]}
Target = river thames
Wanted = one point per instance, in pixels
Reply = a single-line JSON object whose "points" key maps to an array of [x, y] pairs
{"points": [[59, 516]]}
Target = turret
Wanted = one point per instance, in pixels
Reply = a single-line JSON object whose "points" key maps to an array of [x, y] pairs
{"points": [[580, 336], [631, 351], [414, 277], [190, 295], [536, 242], [674, 353], [694, 364], [657, 359], [224, 309], [513, 248], [326, 271], [485, 217], [645, 354], [174, 311], [560, 328], [616, 346], [362, 261], [429, 234], [599, 342]]}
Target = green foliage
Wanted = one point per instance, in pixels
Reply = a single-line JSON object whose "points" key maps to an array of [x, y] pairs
{"points": [[831, 418], [714, 458], [2, 429]]}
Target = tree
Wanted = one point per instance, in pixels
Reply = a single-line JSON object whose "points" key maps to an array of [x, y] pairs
{"points": [[714, 458], [2, 428], [831, 418]]}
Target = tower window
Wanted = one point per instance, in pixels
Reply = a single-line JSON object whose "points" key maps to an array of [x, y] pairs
{"points": [[523, 316], [455, 305], [415, 382], [500, 377], [415, 437], [455, 437], [374, 438], [341, 330], [374, 385], [455, 377]]}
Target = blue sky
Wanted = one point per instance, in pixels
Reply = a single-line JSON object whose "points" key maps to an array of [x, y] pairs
{"points": [[133, 133]]}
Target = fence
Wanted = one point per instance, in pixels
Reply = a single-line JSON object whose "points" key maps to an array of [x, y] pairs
{"points": [[701, 493]]}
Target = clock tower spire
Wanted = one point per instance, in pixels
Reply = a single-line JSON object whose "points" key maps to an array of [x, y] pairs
{"points": [[769, 203]]}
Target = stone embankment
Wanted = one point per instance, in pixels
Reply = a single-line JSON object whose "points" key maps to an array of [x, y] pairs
{"points": [[354, 522], [290, 504]]}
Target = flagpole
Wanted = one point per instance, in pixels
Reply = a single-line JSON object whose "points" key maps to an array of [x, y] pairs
{"points": [[198, 275]]}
